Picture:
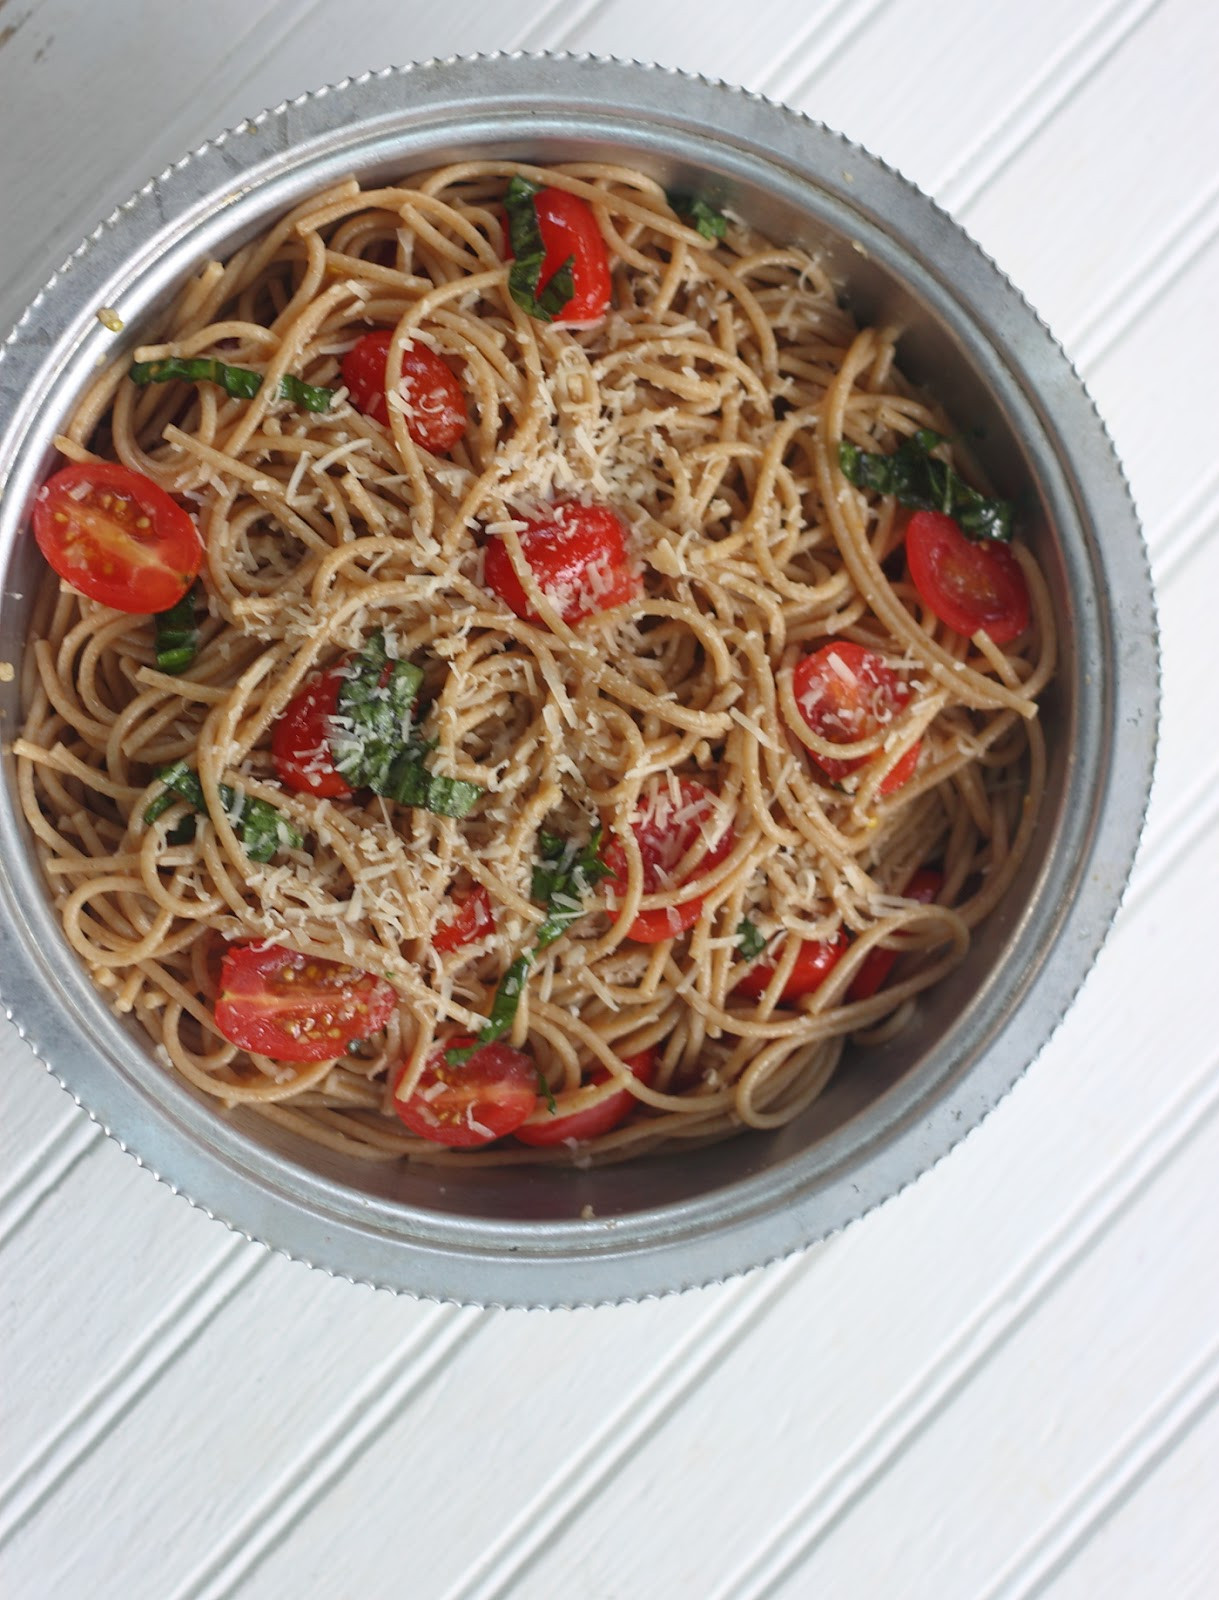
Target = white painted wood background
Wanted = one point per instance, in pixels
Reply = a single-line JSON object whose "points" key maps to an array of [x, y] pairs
{"points": [[1000, 1384]]}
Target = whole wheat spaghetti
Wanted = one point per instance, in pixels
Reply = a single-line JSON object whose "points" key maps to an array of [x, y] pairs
{"points": [[706, 407]]}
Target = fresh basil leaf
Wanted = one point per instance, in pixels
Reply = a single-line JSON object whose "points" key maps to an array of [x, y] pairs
{"points": [[561, 879], [372, 721], [306, 395], [529, 256], [751, 941], [258, 825], [240, 383], [915, 478], [177, 636], [504, 1008], [699, 214]]}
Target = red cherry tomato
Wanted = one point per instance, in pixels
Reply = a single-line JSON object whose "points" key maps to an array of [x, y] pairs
{"points": [[970, 584], [878, 963], [297, 1008], [436, 412], [846, 693], [597, 1119], [484, 1098], [817, 959], [579, 556], [300, 740], [117, 537], [665, 832], [569, 229], [471, 918]]}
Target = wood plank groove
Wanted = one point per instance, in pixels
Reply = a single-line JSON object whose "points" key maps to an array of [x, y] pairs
{"points": [[500, 1568], [1141, 1452], [1077, 59], [161, 1343], [823, 41], [840, 1488], [65, 1155]]}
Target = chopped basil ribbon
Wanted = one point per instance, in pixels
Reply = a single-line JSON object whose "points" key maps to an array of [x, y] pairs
{"points": [[561, 879], [751, 941], [699, 214], [529, 253], [375, 744], [259, 826], [177, 635], [918, 480], [241, 383]]}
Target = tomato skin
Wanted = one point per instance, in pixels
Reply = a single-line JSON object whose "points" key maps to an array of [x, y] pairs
{"points": [[816, 960], [438, 414], [569, 228], [878, 963], [293, 1007], [596, 1120], [471, 919], [970, 584], [87, 523], [663, 842], [300, 739], [562, 550], [844, 709], [484, 1098]]}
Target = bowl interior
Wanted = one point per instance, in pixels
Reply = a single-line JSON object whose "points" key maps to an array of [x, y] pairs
{"points": [[888, 270]]}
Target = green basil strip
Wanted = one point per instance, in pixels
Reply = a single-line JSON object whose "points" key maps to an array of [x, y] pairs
{"points": [[375, 745], [562, 878], [177, 636], [750, 939], [240, 383], [916, 479], [699, 214], [529, 255], [258, 825]]}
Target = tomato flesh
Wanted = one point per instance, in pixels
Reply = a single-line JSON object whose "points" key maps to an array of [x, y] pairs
{"points": [[816, 960], [878, 963], [436, 413], [300, 739], [569, 230], [579, 557], [971, 585], [471, 919], [846, 693], [487, 1096], [595, 1120], [117, 537], [293, 1007], [665, 832]]}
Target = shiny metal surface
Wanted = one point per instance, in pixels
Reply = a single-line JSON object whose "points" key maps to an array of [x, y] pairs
{"points": [[517, 1237]]}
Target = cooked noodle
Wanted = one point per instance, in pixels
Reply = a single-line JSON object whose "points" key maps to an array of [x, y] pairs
{"points": [[321, 527]]}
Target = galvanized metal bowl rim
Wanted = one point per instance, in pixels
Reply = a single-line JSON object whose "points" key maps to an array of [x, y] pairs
{"points": [[671, 1248]]}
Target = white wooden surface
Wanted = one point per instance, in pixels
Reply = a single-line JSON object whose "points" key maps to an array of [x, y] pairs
{"points": [[1001, 1384]]}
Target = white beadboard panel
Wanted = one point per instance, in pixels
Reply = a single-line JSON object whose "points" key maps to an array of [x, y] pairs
{"points": [[1124, 1556], [1081, 1376], [36, 1111], [294, 1359], [898, 1321], [519, 1445]]}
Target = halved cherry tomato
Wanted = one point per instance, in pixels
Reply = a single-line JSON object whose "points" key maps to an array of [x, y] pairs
{"points": [[300, 740], [846, 693], [579, 556], [816, 960], [117, 537], [596, 1120], [436, 414], [665, 832], [293, 1007], [569, 230], [970, 584], [472, 917], [487, 1096], [878, 963]]}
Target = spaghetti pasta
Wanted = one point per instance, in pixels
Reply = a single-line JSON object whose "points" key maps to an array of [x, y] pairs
{"points": [[673, 709]]}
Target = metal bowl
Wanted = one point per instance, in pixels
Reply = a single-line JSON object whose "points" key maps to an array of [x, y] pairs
{"points": [[520, 1236]]}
